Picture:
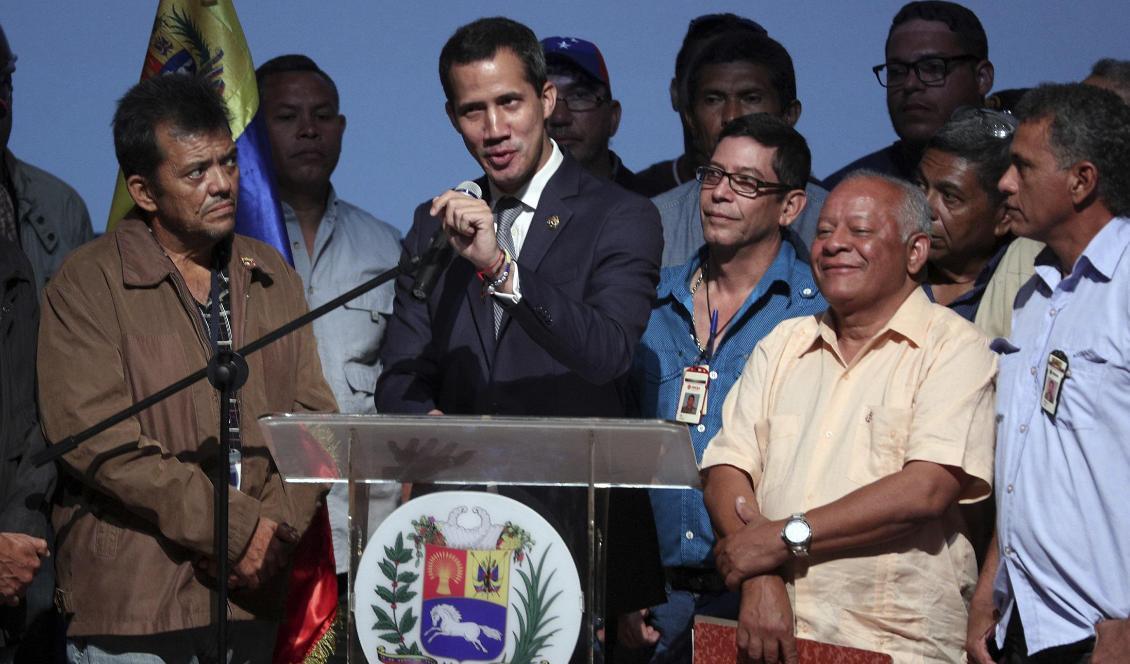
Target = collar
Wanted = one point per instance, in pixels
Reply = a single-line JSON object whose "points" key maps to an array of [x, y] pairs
{"points": [[530, 194], [145, 264], [1102, 254], [328, 217], [911, 321], [676, 281], [983, 277], [617, 164]]}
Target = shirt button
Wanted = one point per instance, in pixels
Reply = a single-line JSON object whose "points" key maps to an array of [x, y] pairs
{"points": [[1008, 551], [1009, 488], [827, 434], [1023, 428], [701, 428], [713, 375], [1051, 312], [689, 535], [1032, 371]]}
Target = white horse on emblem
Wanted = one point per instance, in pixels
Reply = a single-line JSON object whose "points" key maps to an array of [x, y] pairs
{"points": [[447, 621]]}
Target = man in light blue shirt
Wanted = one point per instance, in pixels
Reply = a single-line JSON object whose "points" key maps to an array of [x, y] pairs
{"points": [[711, 312], [1059, 575], [336, 246]]}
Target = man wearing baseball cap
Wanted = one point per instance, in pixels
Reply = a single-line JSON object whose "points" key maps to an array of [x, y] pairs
{"points": [[586, 116]]}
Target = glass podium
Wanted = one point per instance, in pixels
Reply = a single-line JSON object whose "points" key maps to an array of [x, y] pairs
{"points": [[556, 467]]}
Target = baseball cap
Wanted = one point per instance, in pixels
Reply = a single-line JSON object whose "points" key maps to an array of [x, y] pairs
{"points": [[584, 54]]}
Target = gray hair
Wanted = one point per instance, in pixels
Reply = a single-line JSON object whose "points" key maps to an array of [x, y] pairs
{"points": [[981, 137], [1115, 72], [1086, 124], [913, 211]]}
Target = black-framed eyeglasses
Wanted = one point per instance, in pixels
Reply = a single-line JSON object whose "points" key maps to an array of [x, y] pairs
{"points": [[746, 185], [932, 70], [1001, 125], [581, 100]]}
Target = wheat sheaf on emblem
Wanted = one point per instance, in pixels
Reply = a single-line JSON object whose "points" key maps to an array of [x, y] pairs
{"points": [[446, 569]]}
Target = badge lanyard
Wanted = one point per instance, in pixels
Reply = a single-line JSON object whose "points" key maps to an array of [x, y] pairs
{"points": [[693, 393]]}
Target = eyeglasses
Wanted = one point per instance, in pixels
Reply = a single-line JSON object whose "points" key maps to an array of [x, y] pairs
{"points": [[998, 124], [746, 185], [932, 70], [581, 100]]}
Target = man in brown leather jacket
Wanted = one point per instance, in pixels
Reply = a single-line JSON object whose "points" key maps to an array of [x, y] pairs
{"points": [[128, 314]]}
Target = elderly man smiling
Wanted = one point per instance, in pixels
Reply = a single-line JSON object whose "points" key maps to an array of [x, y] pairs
{"points": [[847, 445]]}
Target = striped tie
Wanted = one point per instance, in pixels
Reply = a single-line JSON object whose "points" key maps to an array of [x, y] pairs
{"points": [[505, 212]]}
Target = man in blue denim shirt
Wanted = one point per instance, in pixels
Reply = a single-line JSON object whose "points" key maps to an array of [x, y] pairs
{"points": [[710, 314]]}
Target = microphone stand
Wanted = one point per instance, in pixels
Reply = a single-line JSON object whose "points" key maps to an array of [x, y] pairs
{"points": [[227, 372]]}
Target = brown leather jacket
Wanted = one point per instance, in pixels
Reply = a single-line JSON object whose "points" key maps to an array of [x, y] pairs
{"points": [[134, 512]]}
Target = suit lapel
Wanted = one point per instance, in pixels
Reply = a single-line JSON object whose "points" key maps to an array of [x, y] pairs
{"points": [[550, 219], [552, 215]]}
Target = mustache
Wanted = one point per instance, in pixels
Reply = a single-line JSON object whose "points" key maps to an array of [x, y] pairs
{"points": [[216, 202]]}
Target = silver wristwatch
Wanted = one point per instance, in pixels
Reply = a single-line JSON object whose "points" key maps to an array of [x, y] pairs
{"points": [[797, 535]]}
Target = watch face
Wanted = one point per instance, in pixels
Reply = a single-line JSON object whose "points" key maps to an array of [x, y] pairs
{"points": [[796, 532]]}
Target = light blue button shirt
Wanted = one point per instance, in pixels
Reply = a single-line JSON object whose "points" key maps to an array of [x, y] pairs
{"points": [[351, 246], [1063, 484]]}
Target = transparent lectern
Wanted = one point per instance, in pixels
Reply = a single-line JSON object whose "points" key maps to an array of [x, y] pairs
{"points": [[498, 453]]}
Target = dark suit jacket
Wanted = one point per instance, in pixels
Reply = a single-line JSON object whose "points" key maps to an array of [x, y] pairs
{"points": [[588, 270]]}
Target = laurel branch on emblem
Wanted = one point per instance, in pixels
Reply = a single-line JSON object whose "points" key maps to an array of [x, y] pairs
{"points": [[534, 602], [397, 594]]}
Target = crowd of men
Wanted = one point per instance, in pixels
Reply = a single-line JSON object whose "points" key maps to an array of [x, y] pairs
{"points": [[906, 386]]}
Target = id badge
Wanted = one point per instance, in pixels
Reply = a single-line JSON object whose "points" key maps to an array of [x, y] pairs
{"points": [[692, 396], [1054, 376]]}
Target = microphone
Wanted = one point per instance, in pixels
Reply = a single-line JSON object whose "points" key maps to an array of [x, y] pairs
{"points": [[436, 256]]}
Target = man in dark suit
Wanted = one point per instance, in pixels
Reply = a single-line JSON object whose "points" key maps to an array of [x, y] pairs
{"points": [[552, 281]]}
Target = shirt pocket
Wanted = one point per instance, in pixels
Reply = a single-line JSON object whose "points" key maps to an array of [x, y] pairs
{"points": [[879, 448], [659, 389], [362, 378], [362, 325], [1080, 392]]}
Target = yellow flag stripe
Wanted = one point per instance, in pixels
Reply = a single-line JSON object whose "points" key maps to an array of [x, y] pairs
{"points": [[219, 27]]}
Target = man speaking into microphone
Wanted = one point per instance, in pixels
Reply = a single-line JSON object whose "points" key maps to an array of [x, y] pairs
{"points": [[554, 271]]}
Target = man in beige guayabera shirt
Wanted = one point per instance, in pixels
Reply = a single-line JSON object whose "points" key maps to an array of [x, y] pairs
{"points": [[847, 445]]}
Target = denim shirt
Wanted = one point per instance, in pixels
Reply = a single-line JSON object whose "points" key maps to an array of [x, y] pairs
{"points": [[668, 346]]}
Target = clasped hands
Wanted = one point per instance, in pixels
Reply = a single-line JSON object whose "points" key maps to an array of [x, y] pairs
{"points": [[749, 560], [753, 550], [265, 556]]}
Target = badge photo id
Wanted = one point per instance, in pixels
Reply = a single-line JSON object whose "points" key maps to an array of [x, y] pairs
{"points": [[692, 396], [1054, 375]]}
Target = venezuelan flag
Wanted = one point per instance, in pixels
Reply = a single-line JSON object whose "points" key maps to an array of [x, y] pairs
{"points": [[204, 37]]}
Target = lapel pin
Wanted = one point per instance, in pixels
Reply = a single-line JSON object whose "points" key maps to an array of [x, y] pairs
{"points": [[552, 222], [248, 262]]}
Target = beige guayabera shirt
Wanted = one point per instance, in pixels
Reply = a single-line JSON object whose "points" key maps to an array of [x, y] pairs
{"points": [[810, 428]]}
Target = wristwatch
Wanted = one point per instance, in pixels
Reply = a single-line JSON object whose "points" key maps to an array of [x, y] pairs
{"points": [[797, 535]]}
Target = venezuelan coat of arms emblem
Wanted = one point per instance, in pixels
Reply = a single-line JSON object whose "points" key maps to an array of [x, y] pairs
{"points": [[466, 577]]}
